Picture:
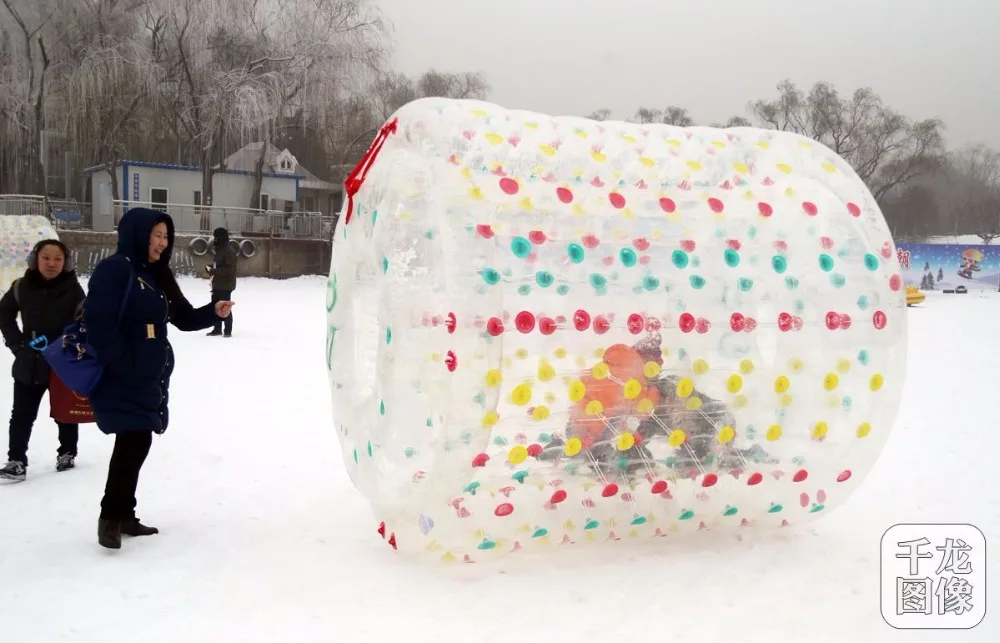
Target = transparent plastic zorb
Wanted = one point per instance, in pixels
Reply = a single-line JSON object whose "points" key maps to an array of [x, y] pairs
{"points": [[545, 331], [18, 235]]}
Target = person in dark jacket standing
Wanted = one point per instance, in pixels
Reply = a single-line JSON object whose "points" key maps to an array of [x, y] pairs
{"points": [[47, 297], [131, 399], [223, 273]]}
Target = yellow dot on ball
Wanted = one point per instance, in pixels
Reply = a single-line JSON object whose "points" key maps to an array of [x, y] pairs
{"points": [[746, 367], [781, 384], [550, 398], [645, 405], [541, 412], [740, 401], [573, 446], [594, 407], [864, 429], [546, 372], [521, 353], [521, 394], [877, 381], [517, 454], [599, 352], [651, 369], [601, 370], [626, 441], [494, 377], [581, 362], [785, 400], [700, 367], [685, 387], [559, 352], [693, 403], [831, 381], [577, 390], [773, 432], [677, 438], [843, 365], [490, 419], [726, 434], [820, 430], [796, 365], [734, 383], [632, 389]]}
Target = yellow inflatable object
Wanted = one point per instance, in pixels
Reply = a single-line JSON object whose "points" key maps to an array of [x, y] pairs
{"points": [[914, 296]]}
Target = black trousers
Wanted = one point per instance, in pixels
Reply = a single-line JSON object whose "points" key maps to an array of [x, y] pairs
{"points": [[27, 399], [129, 454], [223, 295]]}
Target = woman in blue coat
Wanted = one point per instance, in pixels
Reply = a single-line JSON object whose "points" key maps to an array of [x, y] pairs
{"points": [[131, 399]]}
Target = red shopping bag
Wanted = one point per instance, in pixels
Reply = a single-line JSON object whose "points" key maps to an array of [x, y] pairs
{"points": [[65, 405]]}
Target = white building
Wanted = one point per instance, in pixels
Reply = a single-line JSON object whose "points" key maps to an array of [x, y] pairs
{"points": [[286, 188], [314, 194]]}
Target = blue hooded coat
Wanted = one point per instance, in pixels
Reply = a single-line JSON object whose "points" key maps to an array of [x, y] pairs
{"points": [[136, 355]]}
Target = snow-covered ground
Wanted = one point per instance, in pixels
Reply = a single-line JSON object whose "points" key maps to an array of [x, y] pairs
{"points": [[264, 538]]}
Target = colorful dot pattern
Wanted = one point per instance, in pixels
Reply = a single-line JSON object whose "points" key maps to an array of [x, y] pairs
{"points": [[558, 331]]}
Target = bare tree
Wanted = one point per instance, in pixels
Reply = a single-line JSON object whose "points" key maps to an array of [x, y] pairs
{"points": [[886, 149], [111, 52], [22, 95], [647, 115], [678, 116], [975, 193], [733, 121], [602, 114]]}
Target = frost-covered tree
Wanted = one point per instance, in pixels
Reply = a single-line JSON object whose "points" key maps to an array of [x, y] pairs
{"points": [[24, 68]]}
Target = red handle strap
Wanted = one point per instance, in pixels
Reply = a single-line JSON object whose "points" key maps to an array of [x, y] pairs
{"points": [[357, 176]]}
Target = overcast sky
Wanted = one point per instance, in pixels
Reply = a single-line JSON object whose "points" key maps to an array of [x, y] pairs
{"points": [[926, 58]]}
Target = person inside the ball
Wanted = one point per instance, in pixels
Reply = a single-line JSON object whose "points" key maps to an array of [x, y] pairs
{"points": [[626, 402]]}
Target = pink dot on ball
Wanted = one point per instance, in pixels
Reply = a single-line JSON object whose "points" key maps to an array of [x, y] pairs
{"points": [[509, 186]]}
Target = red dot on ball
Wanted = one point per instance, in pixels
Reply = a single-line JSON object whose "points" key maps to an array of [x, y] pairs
{"points": [[525, 321], [494, 326]]}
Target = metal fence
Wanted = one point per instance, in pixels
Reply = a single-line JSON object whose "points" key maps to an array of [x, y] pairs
{"points": [[201, 219], [189, 219], [63, 213]]}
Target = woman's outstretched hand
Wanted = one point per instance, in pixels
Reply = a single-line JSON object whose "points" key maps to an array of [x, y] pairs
{"points": [[223, 308]]}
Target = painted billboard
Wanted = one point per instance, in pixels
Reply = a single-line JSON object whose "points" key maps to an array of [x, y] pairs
{"points": [[932, 266]]}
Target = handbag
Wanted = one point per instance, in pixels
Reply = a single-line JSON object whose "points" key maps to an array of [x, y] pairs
{"points": [[73, 359], [66, 405]]}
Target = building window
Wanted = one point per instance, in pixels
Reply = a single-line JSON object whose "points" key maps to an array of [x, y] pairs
{"points": [[158, 198], [265, 201], [197, 197], [286, 164]]}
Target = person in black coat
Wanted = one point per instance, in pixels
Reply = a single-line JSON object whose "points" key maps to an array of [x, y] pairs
{"points": [[131, 399], [223, 273], [47, 297]]}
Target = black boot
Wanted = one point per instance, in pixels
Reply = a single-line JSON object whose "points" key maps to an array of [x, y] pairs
{"points": [[109, 533], [133, 527]]}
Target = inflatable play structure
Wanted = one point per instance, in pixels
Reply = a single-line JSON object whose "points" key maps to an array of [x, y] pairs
{"points": [[18, 235], [546, 331]]}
